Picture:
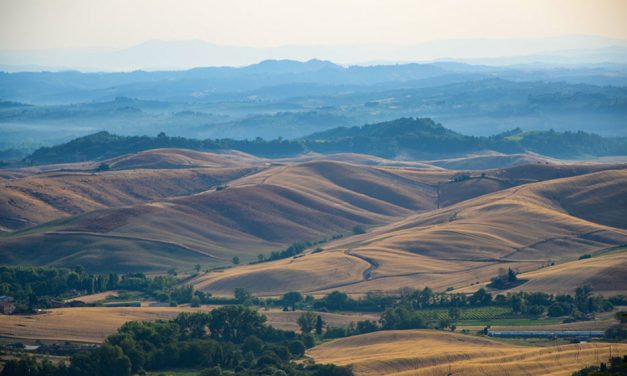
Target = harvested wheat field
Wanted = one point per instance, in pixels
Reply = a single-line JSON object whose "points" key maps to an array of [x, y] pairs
{"points": [[606, 273], [94, 324], [525, 228], [428, 352]]}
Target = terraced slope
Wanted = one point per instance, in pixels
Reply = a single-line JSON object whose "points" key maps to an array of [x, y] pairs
{"points": [[427, 352]]}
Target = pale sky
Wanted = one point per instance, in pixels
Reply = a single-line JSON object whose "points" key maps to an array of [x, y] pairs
{"points": [[34, 24]]}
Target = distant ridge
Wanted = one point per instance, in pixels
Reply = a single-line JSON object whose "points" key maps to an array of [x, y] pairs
{"points": [[405, 138]]}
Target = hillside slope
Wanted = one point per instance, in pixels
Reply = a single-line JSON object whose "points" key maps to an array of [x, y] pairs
{"points": [[525, 228], [428, 352], [38, 197], [259, 213]]}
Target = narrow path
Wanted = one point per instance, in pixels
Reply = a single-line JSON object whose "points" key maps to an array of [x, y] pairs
{"points": [[367, 274]]}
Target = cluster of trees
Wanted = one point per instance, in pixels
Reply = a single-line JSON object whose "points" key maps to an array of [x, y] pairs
{"points": [[505, 280], [291, 251], [407, 311], [35, 287], [231, 340], [614, 367], [582, 303], [420, 137]]}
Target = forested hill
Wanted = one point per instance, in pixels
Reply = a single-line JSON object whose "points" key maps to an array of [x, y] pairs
{"points": [[405, 138]]}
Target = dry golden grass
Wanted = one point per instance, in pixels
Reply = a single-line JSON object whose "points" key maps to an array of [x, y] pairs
{"points": [[181, 158], [93, 298], [427, 352], [94, 324], [524, 228], [327, 269], [484, 161], [606, 273], [257, 214], [88, 324], [44, 197]]}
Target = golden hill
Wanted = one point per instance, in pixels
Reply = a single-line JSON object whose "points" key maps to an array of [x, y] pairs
{"points": [[39, 198], [94, 324], [259, 213], [159, 208], [525, 228], [491, 160], [428, 352], [181, 158], [606, 273]]}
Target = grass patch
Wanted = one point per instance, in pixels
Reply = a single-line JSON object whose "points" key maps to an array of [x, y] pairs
{"points": [[537, 342], [512, 322], [476, 313]]}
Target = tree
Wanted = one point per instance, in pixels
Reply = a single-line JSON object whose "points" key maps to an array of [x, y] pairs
{"points": [[103, 167], [453, 314], [511, 276], [358, 230], [235, 323], [480, 298], [112, 361], [235, 260], [319, 325], [291, 298], [582, 295], [307, 321], [252, 344], [195, 301], [197, 268], [261, 257], [336, 300], [242, 295], [112, 284], [297, 348]]}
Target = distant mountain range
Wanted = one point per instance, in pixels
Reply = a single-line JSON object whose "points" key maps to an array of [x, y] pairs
{"points": [[405, 138], [185, 54], [291, 99]]}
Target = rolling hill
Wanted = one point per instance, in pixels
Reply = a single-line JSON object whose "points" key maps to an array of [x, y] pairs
{"points": [[258, 213], [525, 228], [45, 194], [428, 352], [160, 208]]}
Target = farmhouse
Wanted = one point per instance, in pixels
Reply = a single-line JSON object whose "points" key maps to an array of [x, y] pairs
{"points": [[7, 305]]}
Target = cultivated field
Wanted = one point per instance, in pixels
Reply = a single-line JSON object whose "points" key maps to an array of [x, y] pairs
{"points": [[525, 228], [428, 352], [94, 324]]}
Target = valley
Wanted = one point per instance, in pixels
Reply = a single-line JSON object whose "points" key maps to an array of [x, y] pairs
{"points": [[360, 237]]}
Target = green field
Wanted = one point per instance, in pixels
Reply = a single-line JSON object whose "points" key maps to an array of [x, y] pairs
{"points": [[478, 313], [512, 322]]}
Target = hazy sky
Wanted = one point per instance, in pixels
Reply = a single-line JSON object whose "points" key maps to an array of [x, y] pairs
{"points": [[30, 24]]}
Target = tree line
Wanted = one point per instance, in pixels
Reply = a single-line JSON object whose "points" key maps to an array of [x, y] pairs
{"points": [[421, 137], [38, 287], [231, 340]]}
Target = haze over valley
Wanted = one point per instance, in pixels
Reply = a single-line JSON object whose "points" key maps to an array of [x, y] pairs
{"points": [[365, 188]]}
